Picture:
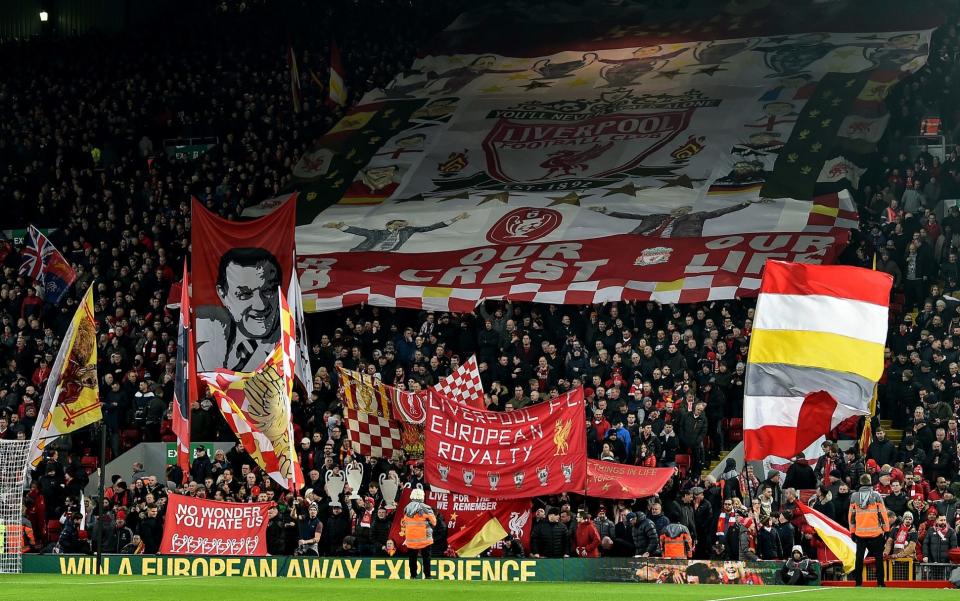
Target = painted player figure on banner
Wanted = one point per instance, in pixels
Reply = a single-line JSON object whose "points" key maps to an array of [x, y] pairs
{"points": [[681, 222], [395, 235], [247, 326]]}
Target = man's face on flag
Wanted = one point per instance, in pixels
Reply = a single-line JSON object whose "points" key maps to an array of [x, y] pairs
{"points": [[251, 297]]}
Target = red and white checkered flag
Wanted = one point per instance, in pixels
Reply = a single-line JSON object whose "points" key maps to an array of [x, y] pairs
{"points": [[464, 385], [371, 435]]}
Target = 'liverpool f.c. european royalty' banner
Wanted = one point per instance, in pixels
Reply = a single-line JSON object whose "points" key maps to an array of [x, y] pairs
{"points": [[201, 527], [537, 450], [645, 157]]}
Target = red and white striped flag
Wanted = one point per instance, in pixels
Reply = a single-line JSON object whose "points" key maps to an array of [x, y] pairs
{"points": [[338, 89], [816, 352]]}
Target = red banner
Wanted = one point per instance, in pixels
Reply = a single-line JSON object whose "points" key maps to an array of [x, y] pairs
{"points": [[200, 527], [462, 512], [610, 480], [237, 269], [537, 450], [667, 270]]}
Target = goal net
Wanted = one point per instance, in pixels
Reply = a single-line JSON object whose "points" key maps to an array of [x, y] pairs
{"points": [[13, 461]]}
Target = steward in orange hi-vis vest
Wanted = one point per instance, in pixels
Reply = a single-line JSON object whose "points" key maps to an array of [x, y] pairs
{"points": [[676, 542], [868, 526], [416, 526]]}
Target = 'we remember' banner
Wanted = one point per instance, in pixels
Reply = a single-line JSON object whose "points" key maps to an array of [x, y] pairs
{"points": [[201, 527]]}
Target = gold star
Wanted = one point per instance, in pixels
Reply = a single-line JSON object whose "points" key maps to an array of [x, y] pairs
{"points": [[534, 84], [503, 197], [453, 517], [456, 196], [570, 199], [629, 189], [682, 181]]}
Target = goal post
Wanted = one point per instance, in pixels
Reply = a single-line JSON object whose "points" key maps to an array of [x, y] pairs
{"points": [[13, 462]]}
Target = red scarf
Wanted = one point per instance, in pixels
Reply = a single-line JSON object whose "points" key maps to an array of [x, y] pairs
{"points": [[901, 540], [367, 520]]}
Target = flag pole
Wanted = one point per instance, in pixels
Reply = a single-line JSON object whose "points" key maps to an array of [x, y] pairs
{"points": [[103, 476]]}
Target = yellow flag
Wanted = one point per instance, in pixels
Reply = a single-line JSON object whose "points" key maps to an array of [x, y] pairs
{"points": [[490, 533], [71, 398]]}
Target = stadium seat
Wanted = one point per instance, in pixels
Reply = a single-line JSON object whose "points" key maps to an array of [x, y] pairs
{"points": [[89, 464], [53, 530], [683, 464], [735, 430]]}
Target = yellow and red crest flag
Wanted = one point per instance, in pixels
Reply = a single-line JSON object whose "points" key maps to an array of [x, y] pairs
{"points": [[71, 399]]}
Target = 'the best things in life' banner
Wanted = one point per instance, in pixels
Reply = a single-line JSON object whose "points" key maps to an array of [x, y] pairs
{"points": [[537, 450], [201, 527]]}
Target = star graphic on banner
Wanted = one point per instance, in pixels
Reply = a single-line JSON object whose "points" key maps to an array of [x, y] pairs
{"points": [[579, 81], [503, 197], [491, 89], [682, 181], [629, 189], [669, 74], [710, 70], [458, 195], [570, 199], [534, 84], [453, 517]]}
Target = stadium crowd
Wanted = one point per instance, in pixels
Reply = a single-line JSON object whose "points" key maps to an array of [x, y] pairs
{"points": [[81, 155]]}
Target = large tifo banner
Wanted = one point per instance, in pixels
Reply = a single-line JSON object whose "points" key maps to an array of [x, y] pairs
{"points": [[200, 527], [666, 161], [237, 271], [529, 452]]}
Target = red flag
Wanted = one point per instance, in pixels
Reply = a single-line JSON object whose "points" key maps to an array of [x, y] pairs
{"points": [[610, 480], [185, 384]]}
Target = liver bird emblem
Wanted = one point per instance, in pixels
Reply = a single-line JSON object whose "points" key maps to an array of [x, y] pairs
{"points": [[564, 162], [561, 436]]}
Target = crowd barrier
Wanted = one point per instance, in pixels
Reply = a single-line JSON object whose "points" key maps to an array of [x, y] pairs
{"points": [[445, 568]]}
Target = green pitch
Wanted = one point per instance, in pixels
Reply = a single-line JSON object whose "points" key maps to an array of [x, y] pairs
{"points": [[146, 588]]}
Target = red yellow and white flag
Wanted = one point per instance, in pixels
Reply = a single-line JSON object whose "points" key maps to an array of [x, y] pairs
{"points": [[256, 405], [836, 537], [816, 352]]}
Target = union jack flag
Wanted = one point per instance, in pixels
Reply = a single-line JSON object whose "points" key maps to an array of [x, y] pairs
{"points": [[44, 264]]}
